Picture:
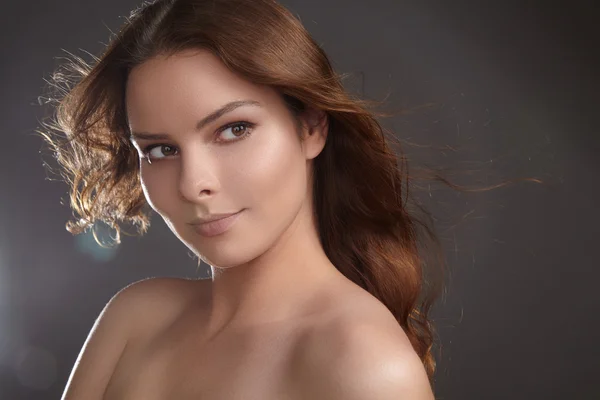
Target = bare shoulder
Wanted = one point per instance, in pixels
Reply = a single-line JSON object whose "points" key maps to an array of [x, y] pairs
{"points": [[160, 289], [361, 353], [154, 302], [139, 309]]}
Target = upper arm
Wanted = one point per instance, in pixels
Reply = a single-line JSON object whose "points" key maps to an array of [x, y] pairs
{"points": [[363, 361], [105, 344]]}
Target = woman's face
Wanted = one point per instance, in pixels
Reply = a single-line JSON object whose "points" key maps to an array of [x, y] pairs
{"points": [[249, 158]]}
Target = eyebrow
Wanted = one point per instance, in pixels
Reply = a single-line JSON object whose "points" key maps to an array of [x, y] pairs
{"points": [[229, 107]]}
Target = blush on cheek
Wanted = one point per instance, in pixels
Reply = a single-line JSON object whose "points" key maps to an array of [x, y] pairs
{"points": [[266, 166], [161, 196]]}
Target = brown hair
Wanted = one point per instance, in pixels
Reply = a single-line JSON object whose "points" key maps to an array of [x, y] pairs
{"points": [[367, 218]]}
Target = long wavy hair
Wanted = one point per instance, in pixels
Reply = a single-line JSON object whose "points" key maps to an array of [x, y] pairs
{"points": [[370, 225]]}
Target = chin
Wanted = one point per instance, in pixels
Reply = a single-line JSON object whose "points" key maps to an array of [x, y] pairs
{"points": [[218, 255]]}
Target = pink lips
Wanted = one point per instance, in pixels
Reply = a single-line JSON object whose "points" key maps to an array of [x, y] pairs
{"points": [[217, 227]]}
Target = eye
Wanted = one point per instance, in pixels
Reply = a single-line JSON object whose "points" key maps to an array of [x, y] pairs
{"points": [[238, 134], [153, 152]]}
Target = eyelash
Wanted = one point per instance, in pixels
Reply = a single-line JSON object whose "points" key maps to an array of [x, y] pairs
{"points": [[248, 125]]}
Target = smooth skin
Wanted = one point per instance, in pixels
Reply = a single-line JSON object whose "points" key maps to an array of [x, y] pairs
{"points": [[277, 320]]}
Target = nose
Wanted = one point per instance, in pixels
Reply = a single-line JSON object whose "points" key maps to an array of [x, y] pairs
{"points": [[196, 179]]}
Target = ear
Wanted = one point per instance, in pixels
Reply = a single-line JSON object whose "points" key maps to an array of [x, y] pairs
{"points": [[315, 127]]}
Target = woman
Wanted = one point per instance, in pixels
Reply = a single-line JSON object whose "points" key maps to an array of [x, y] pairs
{"points": [[227, 119]]}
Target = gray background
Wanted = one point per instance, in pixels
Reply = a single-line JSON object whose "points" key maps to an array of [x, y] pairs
{"points": [[512, 87]]}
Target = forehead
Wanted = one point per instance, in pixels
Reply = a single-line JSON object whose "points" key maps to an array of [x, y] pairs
{"points": [[189, 82]]}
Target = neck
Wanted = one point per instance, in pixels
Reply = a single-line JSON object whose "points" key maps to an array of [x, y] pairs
{"points": [[281, 284]]}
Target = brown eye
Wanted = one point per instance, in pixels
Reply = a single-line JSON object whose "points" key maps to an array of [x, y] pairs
{"points": [[239, 130], [158, 151], [169, 149]]}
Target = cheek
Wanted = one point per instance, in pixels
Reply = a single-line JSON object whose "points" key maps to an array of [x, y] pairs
{"points": [[157, 191], [274, 175]]}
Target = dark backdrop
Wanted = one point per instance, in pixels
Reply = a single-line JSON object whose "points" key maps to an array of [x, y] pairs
{"points": [[511, 87]]}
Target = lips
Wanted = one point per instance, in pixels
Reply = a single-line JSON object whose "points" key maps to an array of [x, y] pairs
{"points": [[217, 218], [211, 218], [216, 227]]}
